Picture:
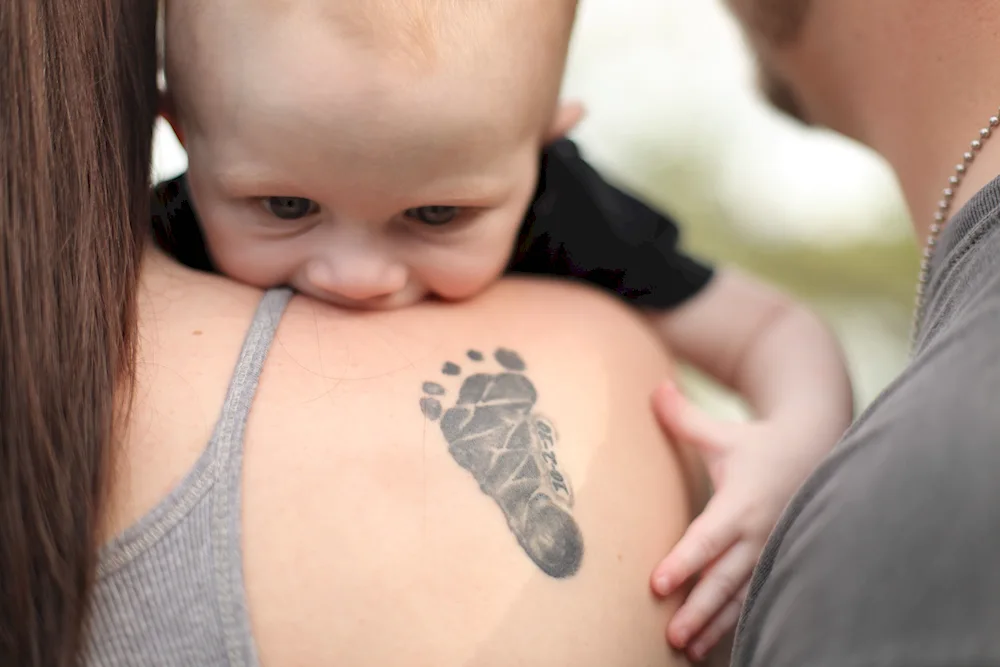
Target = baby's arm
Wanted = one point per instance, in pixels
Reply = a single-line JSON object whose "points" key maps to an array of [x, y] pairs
{"points": [[773, 351], [789, 368]]}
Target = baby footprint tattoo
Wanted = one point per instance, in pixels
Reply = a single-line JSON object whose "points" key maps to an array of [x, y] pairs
{"points": [[492, 432]]}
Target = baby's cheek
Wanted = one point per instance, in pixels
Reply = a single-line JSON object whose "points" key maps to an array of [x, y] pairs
{"points": [[261, 265], [462, 275], [461, 270]]}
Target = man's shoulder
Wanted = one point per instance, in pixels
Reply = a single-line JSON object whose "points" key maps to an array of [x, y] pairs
{"points": [[909, 493], [924, 443], [948, 391]]}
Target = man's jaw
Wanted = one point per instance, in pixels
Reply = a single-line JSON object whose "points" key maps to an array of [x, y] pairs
{"points": [[781, 95]]}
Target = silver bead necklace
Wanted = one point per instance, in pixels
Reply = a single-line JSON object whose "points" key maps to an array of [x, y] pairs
{"points": [[940, 218]]}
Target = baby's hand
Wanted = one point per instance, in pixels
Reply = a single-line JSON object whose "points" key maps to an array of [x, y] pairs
{"points": [[755, 468]]}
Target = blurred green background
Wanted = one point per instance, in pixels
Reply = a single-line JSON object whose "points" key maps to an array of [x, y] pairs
{"points": [[673, 115]]}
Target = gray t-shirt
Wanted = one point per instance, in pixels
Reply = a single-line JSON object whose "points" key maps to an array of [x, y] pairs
{"points": [[890, 553]]}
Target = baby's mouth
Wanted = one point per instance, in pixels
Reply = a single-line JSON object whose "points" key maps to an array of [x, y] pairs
{"points": [[392, 301]]}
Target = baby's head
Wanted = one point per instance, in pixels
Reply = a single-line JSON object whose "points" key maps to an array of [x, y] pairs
{"points": [[367, 152]]}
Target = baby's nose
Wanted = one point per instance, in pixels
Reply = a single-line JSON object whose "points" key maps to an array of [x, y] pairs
{"points": [[357, 278]]}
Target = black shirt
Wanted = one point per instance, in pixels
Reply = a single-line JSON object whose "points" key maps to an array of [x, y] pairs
{"points": [[578, 226]]}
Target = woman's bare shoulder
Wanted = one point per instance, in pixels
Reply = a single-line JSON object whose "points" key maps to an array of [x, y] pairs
{"points": [[547, 319], [191, 330], [484, 482]]}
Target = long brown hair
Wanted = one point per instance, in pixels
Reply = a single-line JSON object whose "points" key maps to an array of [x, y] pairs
{"points": [[77, 105]]}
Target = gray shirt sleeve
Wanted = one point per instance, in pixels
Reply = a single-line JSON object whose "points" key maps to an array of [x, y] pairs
{"points": [[890, 554]]}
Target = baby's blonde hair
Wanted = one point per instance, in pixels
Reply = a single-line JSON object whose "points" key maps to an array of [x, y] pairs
{"points": [[424, 30], [517, 46]]}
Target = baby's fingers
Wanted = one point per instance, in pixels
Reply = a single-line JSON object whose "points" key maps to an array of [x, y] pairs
{"points": [[717, 587], [687, 423], [706, 539], [723, 623]]}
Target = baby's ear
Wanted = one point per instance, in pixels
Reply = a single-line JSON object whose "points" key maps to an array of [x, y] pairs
{"points": [[566, 117], [169, 114]]}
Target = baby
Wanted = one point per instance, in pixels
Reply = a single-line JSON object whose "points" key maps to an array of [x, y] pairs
{"points": [[373, 153]]}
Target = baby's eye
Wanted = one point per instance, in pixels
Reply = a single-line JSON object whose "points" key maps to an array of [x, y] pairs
{"points": [[289, 208], [432, 215]]}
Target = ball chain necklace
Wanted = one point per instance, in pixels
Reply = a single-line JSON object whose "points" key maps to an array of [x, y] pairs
{"points": [[940, 218]]}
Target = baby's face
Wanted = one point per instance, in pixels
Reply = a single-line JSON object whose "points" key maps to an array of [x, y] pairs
{"points": [[376, 221], [364, 179]]}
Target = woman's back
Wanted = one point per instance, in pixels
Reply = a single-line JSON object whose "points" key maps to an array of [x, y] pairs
{"points": [[407, 483]]}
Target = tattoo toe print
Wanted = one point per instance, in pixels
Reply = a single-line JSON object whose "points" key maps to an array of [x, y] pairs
{"points": [[492, 432]]}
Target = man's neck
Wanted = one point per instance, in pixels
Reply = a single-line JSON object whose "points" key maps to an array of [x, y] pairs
{"points": [[933, 110], [925, 159]]}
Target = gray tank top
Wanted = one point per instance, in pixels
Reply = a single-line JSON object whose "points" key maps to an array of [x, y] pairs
{"points": [[170, 588]]}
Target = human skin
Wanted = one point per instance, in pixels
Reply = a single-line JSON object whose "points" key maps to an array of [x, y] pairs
{"points": [[914, 80], [366, 541]]}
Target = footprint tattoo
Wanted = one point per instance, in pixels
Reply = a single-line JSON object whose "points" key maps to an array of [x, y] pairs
{"points": [[492, 432]]}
